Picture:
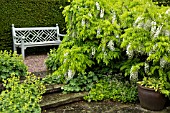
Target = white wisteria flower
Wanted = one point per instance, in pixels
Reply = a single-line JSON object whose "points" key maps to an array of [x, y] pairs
{"points": [[111, 45], [117, 36], [158, 30], [167, 33], [103, 49], [105, 54], [129, 52], [101, 13], [137, 20], [93, 51], [153, 28], [155, 47], [140, 25], [73, 34], [167, 11], [113, 17], [163, 62], [70, 74], [146, 67], [89, 14], [65, 54], [83, 22], [97, 6], [150, 52], [98, 31], [133, 74], [147, 25]]}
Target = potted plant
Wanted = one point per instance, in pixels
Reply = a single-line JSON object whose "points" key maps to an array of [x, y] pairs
{"points": [[151, 93], [147, 40]]}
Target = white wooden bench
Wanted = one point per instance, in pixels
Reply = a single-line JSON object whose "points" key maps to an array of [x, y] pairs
{"points": [[35, 36]]}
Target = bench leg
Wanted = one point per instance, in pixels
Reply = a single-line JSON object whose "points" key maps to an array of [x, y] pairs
{"points": [[23, 48], [23, 53], [14, 47]]}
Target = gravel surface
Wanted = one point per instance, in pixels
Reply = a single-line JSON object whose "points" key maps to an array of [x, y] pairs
{"points": [[36, 63]]}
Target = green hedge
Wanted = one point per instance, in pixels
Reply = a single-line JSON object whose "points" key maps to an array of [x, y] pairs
{"points": [[26, 13]]}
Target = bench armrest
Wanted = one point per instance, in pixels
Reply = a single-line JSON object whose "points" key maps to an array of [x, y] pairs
{"points": [[61, 34]]}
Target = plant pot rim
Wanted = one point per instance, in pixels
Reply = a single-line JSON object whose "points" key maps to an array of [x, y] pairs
{"points": [[146, 88]]}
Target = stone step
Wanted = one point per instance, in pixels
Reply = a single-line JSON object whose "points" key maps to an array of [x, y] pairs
{"points": [[58, 99], [53, 88]]}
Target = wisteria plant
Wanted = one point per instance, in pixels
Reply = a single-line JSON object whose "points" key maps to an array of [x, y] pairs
{"points": [[131, 35], [149, 39]]}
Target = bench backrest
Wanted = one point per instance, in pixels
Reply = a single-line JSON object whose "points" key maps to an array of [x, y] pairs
{"points": [[36, 34]]}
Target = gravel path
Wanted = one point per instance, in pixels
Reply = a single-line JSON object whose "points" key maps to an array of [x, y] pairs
{"points": [[36, 63]]}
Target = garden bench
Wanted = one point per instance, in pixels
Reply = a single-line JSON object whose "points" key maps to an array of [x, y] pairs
{"points": [[35, 36]]}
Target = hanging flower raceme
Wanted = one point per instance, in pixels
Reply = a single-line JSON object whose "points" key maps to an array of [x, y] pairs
{"points": [[93, 51], [101, 13], [153, 28], [146, 67], [163, 62], [97, 6], [114, 17], [133, 74], [158, 31], [69, 75], [111, 45], [83, 22], [129, 51], [98, 31], [137, 21]]}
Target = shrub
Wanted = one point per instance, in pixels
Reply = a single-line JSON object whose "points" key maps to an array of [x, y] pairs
{"points": [[21, 97], [11, 63]]}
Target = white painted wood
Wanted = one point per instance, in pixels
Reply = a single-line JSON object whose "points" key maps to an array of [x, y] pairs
{"points": [[35, 36]]}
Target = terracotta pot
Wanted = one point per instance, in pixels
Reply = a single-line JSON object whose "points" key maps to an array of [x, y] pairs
{"points": [[151, 100]]}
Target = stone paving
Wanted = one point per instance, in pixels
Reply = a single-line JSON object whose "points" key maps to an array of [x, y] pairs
{"points": [[102, 107]]}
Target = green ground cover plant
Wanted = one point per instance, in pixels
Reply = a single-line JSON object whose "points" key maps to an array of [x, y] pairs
{"points": [[21, 97], [11, 63], [111, 88]]}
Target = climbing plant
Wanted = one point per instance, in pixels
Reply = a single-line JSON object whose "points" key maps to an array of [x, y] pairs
{"points": [[92, 37], [111, 32]]}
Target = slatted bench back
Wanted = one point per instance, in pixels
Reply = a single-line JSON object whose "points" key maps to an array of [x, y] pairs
{"points": [[34, 35]]}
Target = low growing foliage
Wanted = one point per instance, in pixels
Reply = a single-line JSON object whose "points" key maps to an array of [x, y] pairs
{"points": [[21, 97], [112, 89], [82, 82], [11, 63]]}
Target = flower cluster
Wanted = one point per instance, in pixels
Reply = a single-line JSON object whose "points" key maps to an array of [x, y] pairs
{"points": [[101, 13], [146, 67], [137, 21], [153, 27], [163, 62], [114, 17], [111, 45], [97, 6], [133, 74], [93, 51], [69, 75], [129, 51], [158, 30]]}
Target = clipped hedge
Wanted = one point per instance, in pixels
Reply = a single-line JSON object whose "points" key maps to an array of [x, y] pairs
{"points": [[26, 13]]}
